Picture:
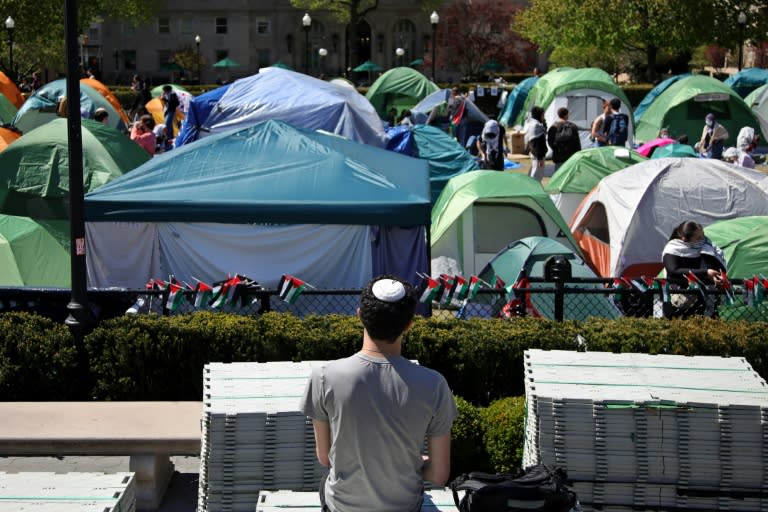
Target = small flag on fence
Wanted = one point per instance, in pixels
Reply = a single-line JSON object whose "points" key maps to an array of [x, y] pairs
{"points": [[461, 286], [448, 283], [203, 294], [727, 287], [431, 291], [175, 297], [694, 283], [290, 288], [474, 286], [663, 285]]}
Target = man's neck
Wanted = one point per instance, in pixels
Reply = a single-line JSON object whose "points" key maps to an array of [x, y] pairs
{"points": [[380, 348]]}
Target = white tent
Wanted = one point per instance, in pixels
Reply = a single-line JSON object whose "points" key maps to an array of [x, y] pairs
{"points": [[623, 224]]}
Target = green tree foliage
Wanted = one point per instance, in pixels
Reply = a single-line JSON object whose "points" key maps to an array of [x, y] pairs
{"points": [[39, 34], [637, 29]]}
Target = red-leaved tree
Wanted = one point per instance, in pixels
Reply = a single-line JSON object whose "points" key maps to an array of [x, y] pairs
{"points": [[476, 37]]}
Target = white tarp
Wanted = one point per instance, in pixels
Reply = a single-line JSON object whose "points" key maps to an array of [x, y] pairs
{"points": [[128, 254], [644, 202]]}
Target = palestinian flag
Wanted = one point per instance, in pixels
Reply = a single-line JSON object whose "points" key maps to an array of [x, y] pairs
{"points": [[474, 287], [461, 286], [203, 294], [663, 285], [749, 292], [431, 291], [618, 284], [727, 288], [449, 287], [499, 282], [694, 283], [639, 285], [175, 297], [232, 289], [290, 288], [456, 119], [758, 289], [160, 284]]}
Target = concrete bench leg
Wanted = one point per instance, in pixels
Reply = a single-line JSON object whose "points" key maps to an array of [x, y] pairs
{"points": [[153, 473]]}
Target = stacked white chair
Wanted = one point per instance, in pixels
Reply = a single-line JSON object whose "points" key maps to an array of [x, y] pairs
{"points": [[639, 431], [435, 500], [72, 492]]}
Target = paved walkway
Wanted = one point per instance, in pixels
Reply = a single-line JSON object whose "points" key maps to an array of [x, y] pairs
{"points": [[181, 495]]}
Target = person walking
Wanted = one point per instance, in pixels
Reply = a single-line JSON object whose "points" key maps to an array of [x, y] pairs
{"points": [[536, 142], [563, 138], [372, 412]]}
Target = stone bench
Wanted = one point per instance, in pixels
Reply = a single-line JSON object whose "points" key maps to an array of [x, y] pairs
{"points": [[148, 432]]}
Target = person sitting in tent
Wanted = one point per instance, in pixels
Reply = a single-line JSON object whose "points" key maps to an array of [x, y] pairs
{"points": [[713, 138], [536, 142], [690, 255], [142, 132], [746, 141], [490, 146]]}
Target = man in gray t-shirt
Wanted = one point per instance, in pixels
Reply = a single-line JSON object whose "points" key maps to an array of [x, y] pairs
{"points": [[373, 411]]}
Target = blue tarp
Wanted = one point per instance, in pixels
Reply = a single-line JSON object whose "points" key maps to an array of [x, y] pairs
{"points": [[199, 109], [299, 100], [747, 80], [653, 93], [270, 173], [445, 156], [516, 101]]}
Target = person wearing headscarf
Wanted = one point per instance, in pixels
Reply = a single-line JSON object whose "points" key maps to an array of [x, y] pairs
{"points": [[745, 143], [536, 142], [689, 253], [713, 138], [490, 146]]}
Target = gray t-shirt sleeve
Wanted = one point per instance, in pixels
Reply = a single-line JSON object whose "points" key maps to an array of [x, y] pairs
{"points": [[445, 411], [312, 403]]}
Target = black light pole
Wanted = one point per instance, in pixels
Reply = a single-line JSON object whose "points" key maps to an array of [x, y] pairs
{"points": [[306, 23], [322, 52], [197, 43], [434, 19], [78, 318], [10, 25], [399, 52], [742, 21]]}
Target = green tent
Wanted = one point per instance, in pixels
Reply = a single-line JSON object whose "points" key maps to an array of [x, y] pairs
{"points": [[33, 253], [528, 256], [674, 150], [685, 104], [34, 170], [588, 87], [478, 213], [401, 88], [757, 101], [7, 110], [41, 106], [582, 171]]}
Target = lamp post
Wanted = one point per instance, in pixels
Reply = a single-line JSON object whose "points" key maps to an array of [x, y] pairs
{"points": [[434, 19], [10, 25], [306, 23], [322, 52], [742, 22], [399, 52], [197, 44]]}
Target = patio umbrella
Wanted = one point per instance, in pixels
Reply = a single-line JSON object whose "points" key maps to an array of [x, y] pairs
{"points": [[492, 65], [417, 62], [226, 63], [281, 65], [370, 67]]}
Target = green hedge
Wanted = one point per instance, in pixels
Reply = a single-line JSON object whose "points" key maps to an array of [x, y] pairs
{"points": [[151, 357]]}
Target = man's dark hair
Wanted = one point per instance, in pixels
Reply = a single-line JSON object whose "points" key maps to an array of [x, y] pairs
{"points": [[537, 113], [100, 115], [167, 88], [386, 321], [562, 113], [616, 104]]}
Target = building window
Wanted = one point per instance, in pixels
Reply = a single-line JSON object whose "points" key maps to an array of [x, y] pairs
{"points": [[221, 55], [187, 26], [262, 27], [129, 59], [221, 25], [164, 25], [163, 58]]}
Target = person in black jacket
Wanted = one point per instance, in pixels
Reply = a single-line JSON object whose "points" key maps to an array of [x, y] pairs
{"points": [[689, 253]]}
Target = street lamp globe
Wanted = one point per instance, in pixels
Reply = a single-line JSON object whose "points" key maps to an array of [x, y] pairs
{"points": [[9, 23], [399, 52], [322, 52], [197, 39], [434, 18], [306, 20], [742, 19]]}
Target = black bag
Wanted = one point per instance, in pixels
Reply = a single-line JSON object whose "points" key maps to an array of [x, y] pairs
{"points": [[538, 488]]}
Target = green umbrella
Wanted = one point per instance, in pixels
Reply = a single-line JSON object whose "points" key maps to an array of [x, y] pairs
{"points": [[281, 65], [417, 62], [369, 66], [33, 253], [158, 91], [492, 65], [34, 170], [226, 63], [172, 67]]}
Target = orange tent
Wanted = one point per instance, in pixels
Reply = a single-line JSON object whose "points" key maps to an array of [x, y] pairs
{"points": [[9, 89], [155, 108], [111, 98], [7, 136]]}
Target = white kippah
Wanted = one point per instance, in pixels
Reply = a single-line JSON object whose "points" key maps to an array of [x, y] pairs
{"points": [[388, 290]]}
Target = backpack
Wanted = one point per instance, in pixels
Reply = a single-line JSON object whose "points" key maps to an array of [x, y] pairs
{"points": [[618, 129], [566, 140], [538, 488]]}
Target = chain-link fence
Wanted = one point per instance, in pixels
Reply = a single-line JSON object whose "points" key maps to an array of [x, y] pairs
{"points": [[574, 299]]}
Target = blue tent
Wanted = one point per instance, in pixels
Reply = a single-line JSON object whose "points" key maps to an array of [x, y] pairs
{"points": [[747, 80], [516, 101], [199, 109], [299, 100], [445, 156], [262, 201], [653, 93]]}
